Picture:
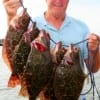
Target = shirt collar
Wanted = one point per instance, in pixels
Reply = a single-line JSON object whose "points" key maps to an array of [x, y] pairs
{"points": [[65, 22]]}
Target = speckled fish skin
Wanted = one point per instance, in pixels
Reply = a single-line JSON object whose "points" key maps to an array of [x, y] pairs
{"points": [[22, 50], [13, 36], [57, 54], [39, 67], [69, 78], [21, 53]]}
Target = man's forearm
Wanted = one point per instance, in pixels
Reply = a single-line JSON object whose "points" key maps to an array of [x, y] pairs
{"points": [[9, 18], [93, 59]]}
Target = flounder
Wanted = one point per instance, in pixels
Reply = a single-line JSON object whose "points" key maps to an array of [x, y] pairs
{"points": [[69, 76], [15, 31], [18, 26], [39, 66], [21, 53], [57, 54]]}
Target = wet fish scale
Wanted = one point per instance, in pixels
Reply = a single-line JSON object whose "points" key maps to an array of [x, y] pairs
{"points": [[23, 22], [38, 68], [38, 77], [57, 55], [13, 37], [20, 56], [21, 52], [69, 79]]}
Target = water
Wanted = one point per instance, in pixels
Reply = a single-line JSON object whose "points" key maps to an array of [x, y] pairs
{"points": [[12, 93], [7, 93]]}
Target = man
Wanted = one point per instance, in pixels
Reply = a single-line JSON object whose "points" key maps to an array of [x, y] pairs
{"points": [[56, 19], [62, 27]]}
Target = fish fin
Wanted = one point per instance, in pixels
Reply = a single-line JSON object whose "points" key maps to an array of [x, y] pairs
{"points": [[42, 96], [23, 92], [5, 58], [13, 81]]}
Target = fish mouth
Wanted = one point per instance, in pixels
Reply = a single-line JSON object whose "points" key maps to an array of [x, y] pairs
{"points": [[39, 46], [68, 60]]}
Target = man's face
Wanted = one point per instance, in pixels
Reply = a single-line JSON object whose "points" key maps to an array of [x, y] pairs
{"points": [[57, 6]]}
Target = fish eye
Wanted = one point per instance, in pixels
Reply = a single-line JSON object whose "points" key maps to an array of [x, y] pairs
{"points": [[76, 49]]}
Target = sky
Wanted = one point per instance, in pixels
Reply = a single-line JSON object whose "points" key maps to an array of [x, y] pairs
{"points": [[84, 10]]}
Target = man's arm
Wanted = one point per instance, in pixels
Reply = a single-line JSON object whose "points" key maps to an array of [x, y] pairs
{"points": [[96, 60], [93, 43]]}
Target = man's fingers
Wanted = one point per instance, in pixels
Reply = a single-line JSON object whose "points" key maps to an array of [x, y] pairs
{"points": [[12, 3], [93, 41], [5, 1]]}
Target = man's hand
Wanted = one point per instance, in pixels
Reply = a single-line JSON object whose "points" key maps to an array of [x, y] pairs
{"points": [[93, 41], [11, 7]]}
